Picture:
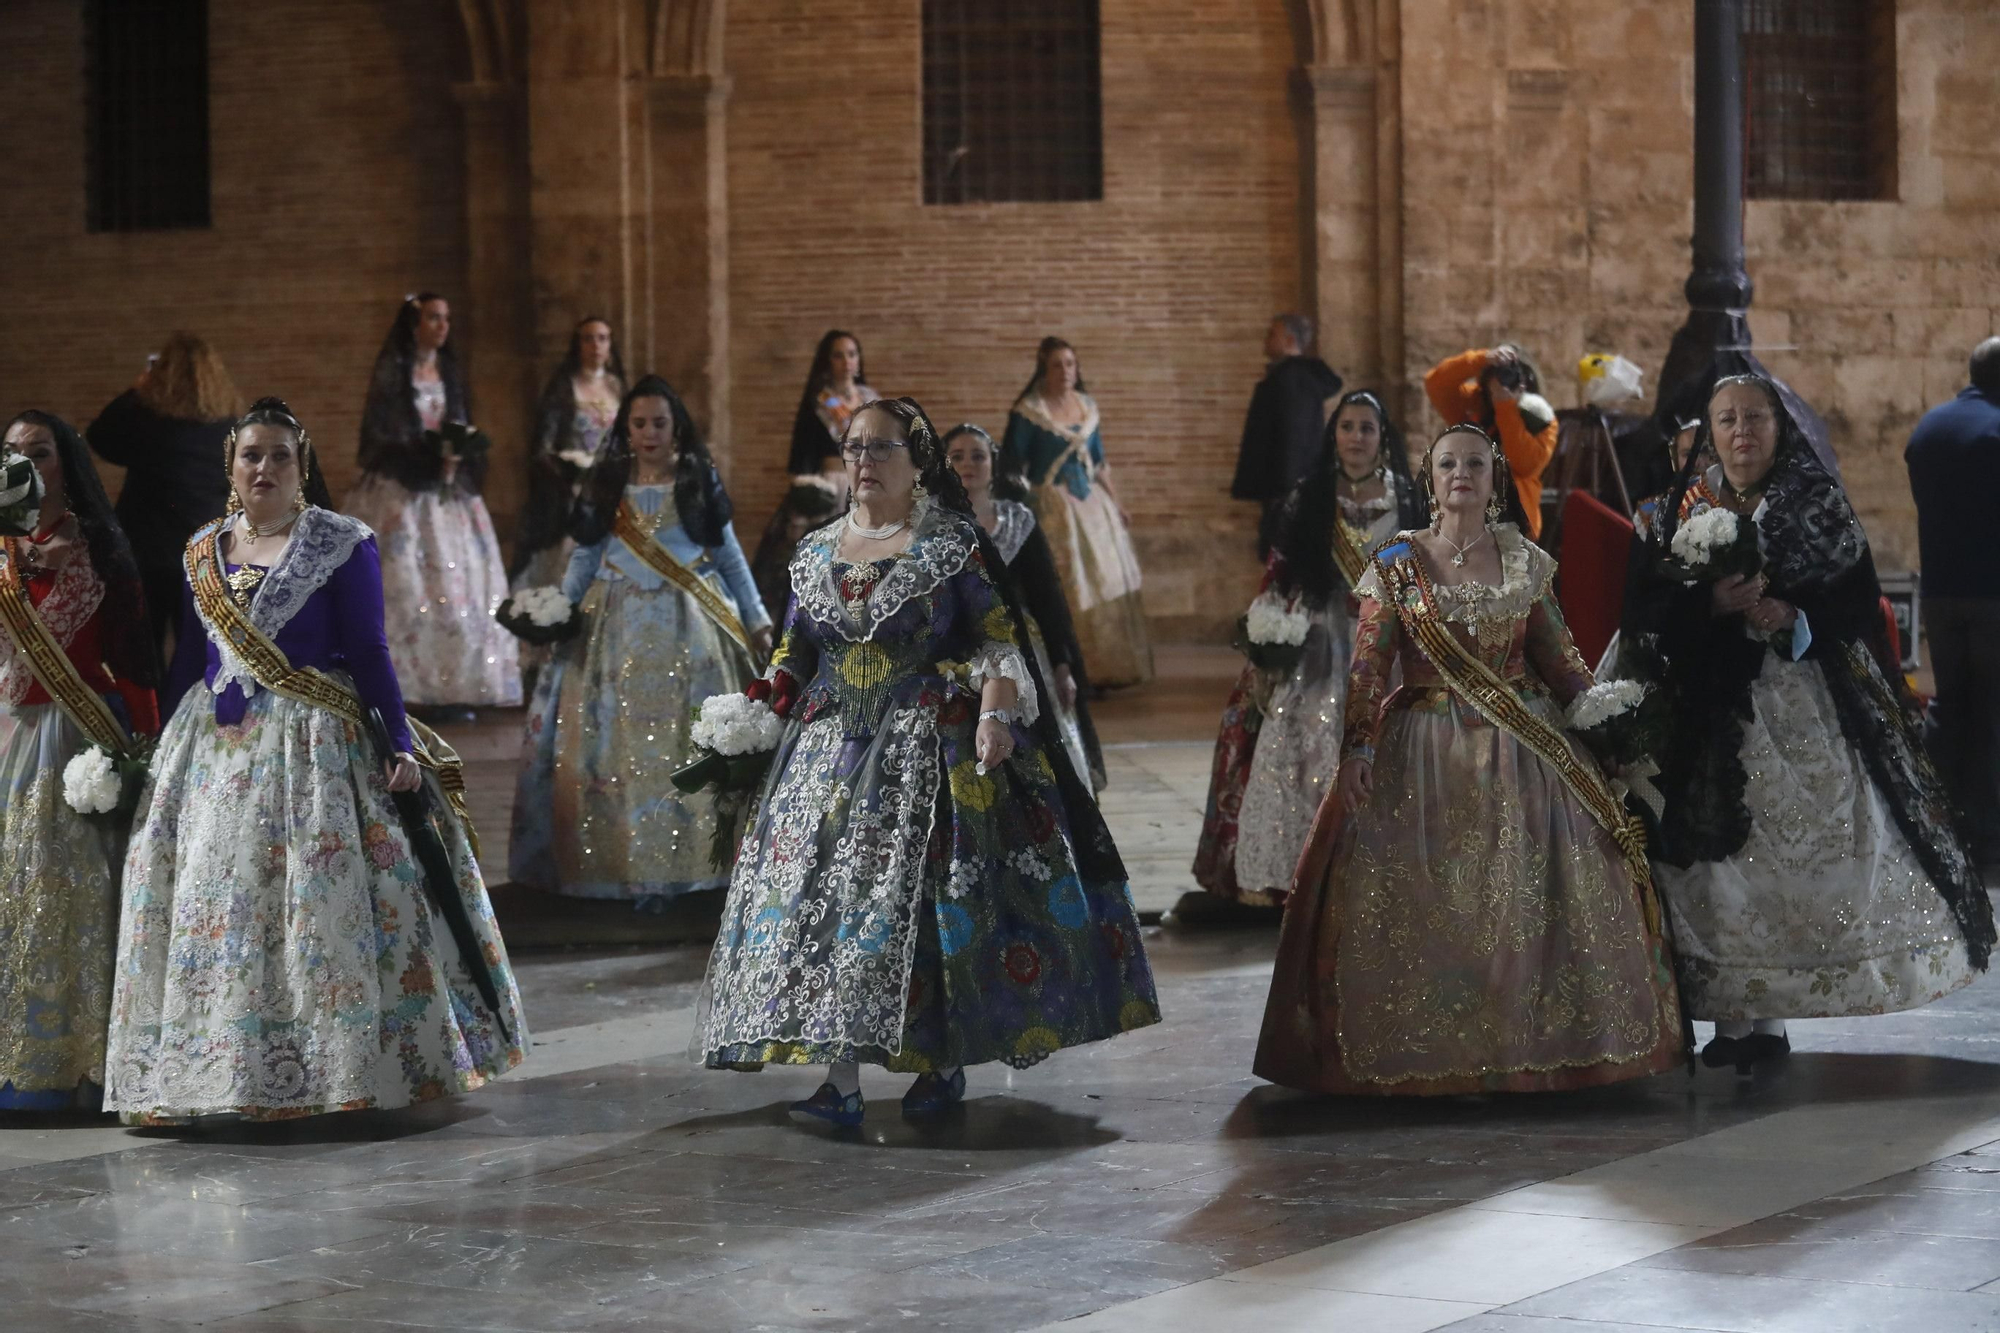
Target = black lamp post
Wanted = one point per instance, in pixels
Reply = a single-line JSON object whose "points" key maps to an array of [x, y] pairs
{"points": [[1719, 289]]}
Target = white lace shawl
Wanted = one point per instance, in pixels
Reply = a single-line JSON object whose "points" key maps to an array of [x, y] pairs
{"points": [[1034, 409], [1526, 571], [940, 544], [321, 544]]}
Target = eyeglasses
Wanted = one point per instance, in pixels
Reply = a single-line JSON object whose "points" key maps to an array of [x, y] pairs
{"points": [[875, 451]]}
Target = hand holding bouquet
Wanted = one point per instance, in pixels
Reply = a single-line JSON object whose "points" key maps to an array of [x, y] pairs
{"points": [[99, 783], [1272, 633], [456, 442], [1622, 722], [539, 616], [735, 737], [1715, 544]]}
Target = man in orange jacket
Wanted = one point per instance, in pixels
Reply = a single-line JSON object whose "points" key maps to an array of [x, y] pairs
{"points": [[1499, 392]]}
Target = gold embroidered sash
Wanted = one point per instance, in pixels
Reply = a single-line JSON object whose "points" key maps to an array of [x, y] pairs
{"points": [[1347, 553], [50, 664], [662, 562], [275, 672], [1478, 684]]}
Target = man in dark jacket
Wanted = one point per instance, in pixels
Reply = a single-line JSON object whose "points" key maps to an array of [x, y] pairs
{"points": [[1284, 433], [1951, 457]]}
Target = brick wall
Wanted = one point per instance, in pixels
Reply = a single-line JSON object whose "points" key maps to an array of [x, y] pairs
{"points": [[1547, 165], [337, 187], [1165, 286]]}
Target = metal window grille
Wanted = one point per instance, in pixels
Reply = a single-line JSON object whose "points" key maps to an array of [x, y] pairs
{"points": [[1820, 99], [146, 67], [1012, 103]]}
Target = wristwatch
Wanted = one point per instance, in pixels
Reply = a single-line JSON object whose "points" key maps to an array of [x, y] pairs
{"points": [[1004, 716]]}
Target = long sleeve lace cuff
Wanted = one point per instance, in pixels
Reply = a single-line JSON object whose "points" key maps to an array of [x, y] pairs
{"points": [[998, 661]]}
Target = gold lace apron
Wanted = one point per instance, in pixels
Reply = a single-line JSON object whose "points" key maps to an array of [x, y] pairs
{"points": [[275, 672], [626, 527], [50, 664]]}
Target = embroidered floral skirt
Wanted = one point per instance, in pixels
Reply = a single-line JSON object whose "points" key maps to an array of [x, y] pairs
{"points": [[1100, 575], [442, 580], [1068, 725], [58, 916], [1475, 931], [1275, 760], [1826, 911], [894, 906], [596, 814], [277, 954], [1229, 774]]}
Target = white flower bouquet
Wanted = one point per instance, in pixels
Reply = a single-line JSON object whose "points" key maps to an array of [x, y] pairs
{"points": [[735, 738], [20, 496], [539, 616], [99, 783], [1272, 633], [1621, 721], [1715, 544]]}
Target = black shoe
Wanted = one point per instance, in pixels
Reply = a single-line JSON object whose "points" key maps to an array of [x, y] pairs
{"points": [[1725, 1051], [1762, 1047]]}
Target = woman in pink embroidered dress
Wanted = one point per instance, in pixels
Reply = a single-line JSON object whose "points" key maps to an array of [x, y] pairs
{"points": [[1473, 912]]}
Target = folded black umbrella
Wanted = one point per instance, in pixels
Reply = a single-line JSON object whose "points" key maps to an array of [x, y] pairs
{"points": [[420, 816]]}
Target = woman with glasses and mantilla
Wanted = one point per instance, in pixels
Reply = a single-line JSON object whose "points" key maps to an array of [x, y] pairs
{"points": [[926, 883], [296, 937]]}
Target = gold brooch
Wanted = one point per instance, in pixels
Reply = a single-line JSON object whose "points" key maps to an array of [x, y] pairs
{"points": [[243, 584]]}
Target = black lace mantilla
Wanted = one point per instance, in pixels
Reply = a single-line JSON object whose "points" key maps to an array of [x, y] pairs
{"points": [[1817, 558]]}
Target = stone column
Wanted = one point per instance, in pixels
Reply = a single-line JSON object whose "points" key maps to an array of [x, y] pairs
{"points": [[1343, 276], [686, 287], [1719, 289], [493, 335], [1353, 150], [587, 204]]}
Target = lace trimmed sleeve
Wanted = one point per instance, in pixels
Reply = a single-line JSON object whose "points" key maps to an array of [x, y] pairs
{"points": [[1004, 661], [989, 624]]}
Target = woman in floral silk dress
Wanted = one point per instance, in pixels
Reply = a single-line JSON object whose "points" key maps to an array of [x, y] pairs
{"points": [[921, 887], [279, 951]]}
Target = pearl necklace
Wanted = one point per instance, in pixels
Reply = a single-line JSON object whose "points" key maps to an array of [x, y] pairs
{"points": [[875, 534], [268, 529]]}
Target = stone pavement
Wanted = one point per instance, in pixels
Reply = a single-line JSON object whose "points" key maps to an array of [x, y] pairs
{"points": [[1150, 1183]]}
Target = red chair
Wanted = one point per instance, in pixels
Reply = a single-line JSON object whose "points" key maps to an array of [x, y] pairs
{"points": [[1596, 544]]}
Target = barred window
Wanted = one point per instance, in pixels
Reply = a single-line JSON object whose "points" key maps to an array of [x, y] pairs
{"points": [[1820, 99], [1012, 105], [146, 79]]}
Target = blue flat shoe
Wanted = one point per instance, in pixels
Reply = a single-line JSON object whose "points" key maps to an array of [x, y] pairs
{"points": [[931, 1094], [827, 1104]]}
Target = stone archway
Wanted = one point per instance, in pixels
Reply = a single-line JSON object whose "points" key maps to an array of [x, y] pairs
{"points": [[556, 226]]}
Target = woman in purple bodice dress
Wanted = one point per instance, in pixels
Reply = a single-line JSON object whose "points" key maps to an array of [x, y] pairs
{"points": [[279, 954]]}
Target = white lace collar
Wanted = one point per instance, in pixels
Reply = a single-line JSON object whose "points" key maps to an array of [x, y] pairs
{"points": [[939, 547], [1012, 524], [321, 543], [1034, 409], [1526, 571], [73, 599]]}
